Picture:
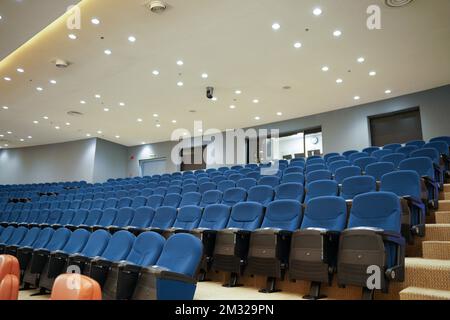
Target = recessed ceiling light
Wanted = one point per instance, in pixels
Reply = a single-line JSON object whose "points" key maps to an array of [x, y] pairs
{"points": [[9, 132], [337, 33], [72, 36], [117, 137], [139, 120], [35, 122], [95, 21], [155, 72], [52, 81], [325, 68], [372, 73], [106, 109], [279, 114], [361, 59], [132, 38], [232, 106], [214, 99], [180, 83], [317, 11], [67, 123], [122, 104], [297, 45], [39, 89], [5, 107], [57, 128], [83, 102], [339, 80], [22, 140], [20, 70], [388, 91], [88, 134], [108, 52], [99, 132], [30, 137], [45, 117], [7, 78], [204, 75], [276, 26], [142, 143], [6, 145], [155, 115], [158, 125], [180, 62], [356, 97], [238, 92], [174, 121], [257, 118], [1, 135], [255, 101], [97, 96]]}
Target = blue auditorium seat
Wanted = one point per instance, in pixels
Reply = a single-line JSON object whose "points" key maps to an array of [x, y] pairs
{"points": [[319, 175], [92, 219], [174, 189], [416, 143], [353, 186], [374, 226], [174, 272], [370, 150], [218, 179], [138, 202], [160, 191], [142, 218], [246, 183], [346, 172], [147, 192], [211, 197], [357, 155], [236, 177], [329, 155], [312, 161], [122, 219], [406, 150], [16, 237], [233, 196], [215, 217], [155, 201], [163, 219], [377, 170], [393, 146], [338, 164], [395, 158], [124, 203], [107, 218], [380, 153], [271, 181], [293, 177], [172, 200], [289, 191], [314, 167], [321, 188], [314, 248], [282, 217], [261, 194], [190, 187], [188, 218], [294, 170], [364, 162], [98, 204], [190, 199], [207, 186], [110, 203]]}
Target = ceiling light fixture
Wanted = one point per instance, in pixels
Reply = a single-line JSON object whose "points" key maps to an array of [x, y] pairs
{"points": [[83, 102], [7, 78], [361, 59], [57, 128], [9, 132], [279, 114], [174, 121], [257, 118], [30, 137], [67, 123], [35, 122], [276, 26], [214, 99], [180, 83], [204, 75], [339, 80], [356, 97], [106, 109], [232, 106], [155, 115], [108, 52], [297, 45], [238, 92], [122, 104], [5, 107], [22, 140], [388, 91], [20, 70], [45, 117], [132, 38], [72, 36], [52, 81], [372, 73], [325, 68], [95, 21], [255, 101], [337, 33], [39, 89], [317, 11], [97, 96], [88, 134], [180, 62], [99, 132], [155, 72], [158, 125], [117, 137], [139, 120]]}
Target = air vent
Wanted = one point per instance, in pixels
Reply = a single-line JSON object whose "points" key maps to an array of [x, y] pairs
{"points": [[155, 6], [74, 113], [397, 3]]}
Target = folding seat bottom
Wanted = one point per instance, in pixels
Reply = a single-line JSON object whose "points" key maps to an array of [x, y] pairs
{"points": [[121, 281]]}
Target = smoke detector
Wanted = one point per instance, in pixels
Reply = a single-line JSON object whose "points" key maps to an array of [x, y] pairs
{"points": [[155, 6], [397, 3], [60, 63]]}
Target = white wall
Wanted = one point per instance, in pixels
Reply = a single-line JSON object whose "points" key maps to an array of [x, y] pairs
{"points": [[110, 161]]}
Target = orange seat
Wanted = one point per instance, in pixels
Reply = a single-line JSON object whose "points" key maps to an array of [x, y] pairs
{"points": [[75, 287], [9, 287], [9, 265]]}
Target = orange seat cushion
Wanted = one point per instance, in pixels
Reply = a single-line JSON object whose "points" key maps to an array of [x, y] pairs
{"points": [[75, 287], [9, 287], [9, 265]]}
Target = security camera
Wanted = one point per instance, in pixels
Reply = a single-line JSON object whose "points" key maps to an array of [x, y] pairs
{"points": [[210, 92]]}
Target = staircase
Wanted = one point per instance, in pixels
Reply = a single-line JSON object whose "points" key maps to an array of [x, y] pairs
{"points": [[428, 277]]}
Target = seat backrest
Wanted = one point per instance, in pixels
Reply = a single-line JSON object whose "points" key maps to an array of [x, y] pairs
{"points": [[271, 181], [377, 170], [9, 287], [110, 203], [30, 237], [181, 253], [362, 163], [402, 183], [77, 241], [357, 155], [58, 239], [155, 201], [188, 217], [54, 216], [164, 218], [346, 172], [416, 143], [380, 153], [370, 150], [329, 155], [211, 197], [108, 217], [172, 200], [315, 167], [75, 204], [86, 288], [293, 170], [160, 191], [377, 210], [124, 202], [290, 191], [246, 215], [17, 236], [118, 246], [146, 249], [293, 177], [215, 217], [443, 138], [43, 238], [96, 243], [225, 185], [321, 188], [318, 175], [440, 146], [327, 212], [348, 153], [338, 164], [406, 150], [246, 183], [261, 194], [138, 202], [353, 186], [147, 192], [67, 217], [283, 214], [392, 146], [93, 217], [335, 158], [190, 187], [143, 216], [395, 158], [86, 204], [123, 217], [190, 199], [236, 177], [174, 189], [233, 196], [98, 204], [207, 186], [422, 165]]}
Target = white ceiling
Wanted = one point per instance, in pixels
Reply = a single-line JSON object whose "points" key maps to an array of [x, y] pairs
{"points": [[232, 41]]}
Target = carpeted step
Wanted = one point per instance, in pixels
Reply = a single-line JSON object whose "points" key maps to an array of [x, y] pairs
{"points": [[437, 232], [442, 217], [447, 187], [416, 293], [444, 205], [436, 250], [427, 273]]}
